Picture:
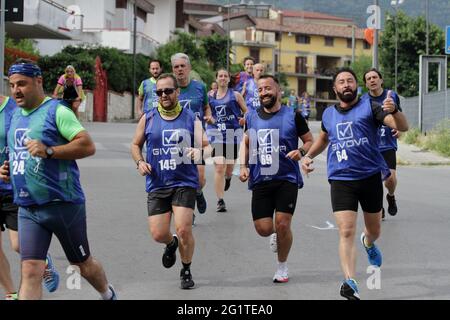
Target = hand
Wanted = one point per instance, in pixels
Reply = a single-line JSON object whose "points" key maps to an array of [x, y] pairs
{"points": [[144, 168], [209, 119], [194, 154], [36, 148], [388, 103], [395, 133], [294, 155], [242, 121], [244, 174], [307, 167], [4, 172]]}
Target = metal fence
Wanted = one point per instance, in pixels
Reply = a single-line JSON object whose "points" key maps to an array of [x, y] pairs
{"points": [[436, 107]]}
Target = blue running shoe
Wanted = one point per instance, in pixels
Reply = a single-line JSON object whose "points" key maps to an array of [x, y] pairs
{"points": [[373, 253], [349, 290], [51, 276]]}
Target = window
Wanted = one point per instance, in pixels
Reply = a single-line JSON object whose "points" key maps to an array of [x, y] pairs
{"points": [[349, 43], [121, 4], [329, 41], [366, 45], [254, 53], [302, 38], [277, 36], [300, 65], [141, 14]]}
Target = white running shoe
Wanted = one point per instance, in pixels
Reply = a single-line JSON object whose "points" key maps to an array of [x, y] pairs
{"points": [[281, 275], [273, 242]]}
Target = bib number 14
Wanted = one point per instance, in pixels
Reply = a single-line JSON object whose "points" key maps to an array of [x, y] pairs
{"points": [[341, 155]]}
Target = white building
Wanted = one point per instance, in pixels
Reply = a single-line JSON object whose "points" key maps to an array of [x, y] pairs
{"points": [[109, 23]]}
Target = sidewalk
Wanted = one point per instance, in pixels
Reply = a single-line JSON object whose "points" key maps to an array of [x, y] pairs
{"points": [[409, 154]]}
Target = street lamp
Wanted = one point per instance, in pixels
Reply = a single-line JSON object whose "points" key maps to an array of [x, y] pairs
{"points": [[395, 4], [229, 6]]}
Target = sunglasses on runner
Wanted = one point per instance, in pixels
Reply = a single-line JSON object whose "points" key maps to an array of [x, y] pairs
{"points": [[166, 91]]}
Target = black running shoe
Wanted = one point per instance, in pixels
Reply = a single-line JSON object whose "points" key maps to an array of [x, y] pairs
{"points": [[349, 290], [383, 215], [227, 183], [201, 203], [169, 257], [186, 279], [221, 206], [392, 205]]}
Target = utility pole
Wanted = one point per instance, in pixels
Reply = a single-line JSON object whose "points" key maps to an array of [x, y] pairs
{"points": [[228, 36], [133, 97], [353, 43], [427, 26], [375, 40]]}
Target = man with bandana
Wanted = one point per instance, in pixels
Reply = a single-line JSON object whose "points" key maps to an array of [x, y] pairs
{"points": [[174, 138], [355, 168], [8, 212], [269, 160], [44, 139]]}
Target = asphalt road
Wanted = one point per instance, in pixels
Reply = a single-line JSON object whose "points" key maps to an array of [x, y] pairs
{"points": [[231, 261]]}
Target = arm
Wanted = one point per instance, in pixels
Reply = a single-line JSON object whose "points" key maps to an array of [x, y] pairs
{"points": [[243, 158], [136, 148], [395, 118], [317, 148], [81, 146], [208, 114], [56, 91], [240, 100]]}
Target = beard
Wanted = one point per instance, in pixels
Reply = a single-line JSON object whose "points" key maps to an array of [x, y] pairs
{"points": [[347, 97], [268, 104]]}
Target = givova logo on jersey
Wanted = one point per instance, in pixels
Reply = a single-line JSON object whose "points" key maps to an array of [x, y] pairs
{"points": [[173, 142], [221, 114], [21, 154], [346, 140]]}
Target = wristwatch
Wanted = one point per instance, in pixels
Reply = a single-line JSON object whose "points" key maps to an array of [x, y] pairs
{"points": [[49, 152], [302, 151]]}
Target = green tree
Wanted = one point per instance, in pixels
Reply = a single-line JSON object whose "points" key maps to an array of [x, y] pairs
{"points": [[411, 44], [215, 47], [361, 64], [25, 45], [189, 44]]}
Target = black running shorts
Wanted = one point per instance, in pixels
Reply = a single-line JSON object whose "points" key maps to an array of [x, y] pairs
{"points": [[8, 213], [161, 201], [228, 151], [345, 195], [273, 196], [390, 156]]}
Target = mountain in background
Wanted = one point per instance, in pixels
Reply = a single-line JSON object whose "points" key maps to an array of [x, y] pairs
{"points": [[439, 10]]}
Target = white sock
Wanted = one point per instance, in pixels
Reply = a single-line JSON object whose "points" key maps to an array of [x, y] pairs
{"points": [[107, 295], [282, 265]]}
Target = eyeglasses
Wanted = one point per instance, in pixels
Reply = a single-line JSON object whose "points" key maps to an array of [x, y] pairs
{"points": [[166, 91]]}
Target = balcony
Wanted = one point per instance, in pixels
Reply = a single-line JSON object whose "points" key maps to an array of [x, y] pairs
{"points": [[123, 40], [253, 38], [45, 19]]}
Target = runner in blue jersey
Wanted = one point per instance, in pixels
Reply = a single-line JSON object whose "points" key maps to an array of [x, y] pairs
{"points": [[355, 168], [8, 212], [271, 151], [388, 137], [243, 76], [44, 139], [193, 96], [250, 88], [147, 98], [228, 109], [174, 139]]}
